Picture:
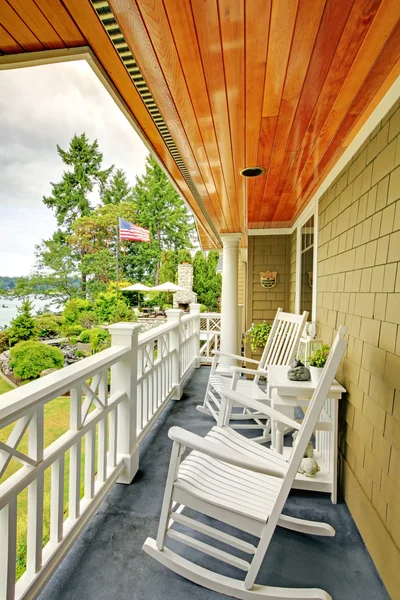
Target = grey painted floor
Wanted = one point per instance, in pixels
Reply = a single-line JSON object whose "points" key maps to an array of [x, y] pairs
{"points": [[107, 561]]}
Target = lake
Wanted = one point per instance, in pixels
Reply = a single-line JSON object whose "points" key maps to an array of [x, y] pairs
{"points": [[8, 308]]}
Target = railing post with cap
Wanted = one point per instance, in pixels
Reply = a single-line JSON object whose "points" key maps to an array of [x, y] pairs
{"points": [[174, 316], [124, 379]]}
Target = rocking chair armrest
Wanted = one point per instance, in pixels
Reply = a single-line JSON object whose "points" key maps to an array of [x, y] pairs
{"points": [[258, 406], [210, 448], [236, 357], [247, 371]]}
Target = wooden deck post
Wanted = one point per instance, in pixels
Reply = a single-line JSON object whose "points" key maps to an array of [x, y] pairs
{"points": [[174, 316], [124, 379], [195, 310]]}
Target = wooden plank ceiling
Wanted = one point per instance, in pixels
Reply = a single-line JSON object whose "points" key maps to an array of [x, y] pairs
{"points": [[282, 84]]}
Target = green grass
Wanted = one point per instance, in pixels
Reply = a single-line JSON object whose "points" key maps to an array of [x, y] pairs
{"points": [[56, 422], [4, 386]]}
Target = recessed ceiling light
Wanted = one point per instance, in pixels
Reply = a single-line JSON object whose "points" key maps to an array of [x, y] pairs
{"points": [[252, 172]]}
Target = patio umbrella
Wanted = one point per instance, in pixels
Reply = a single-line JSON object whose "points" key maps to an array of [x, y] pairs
{"points": [[137, 287], [168, 286]]}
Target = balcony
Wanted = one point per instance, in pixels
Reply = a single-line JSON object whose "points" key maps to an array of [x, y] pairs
{"points": [[97, 528]]}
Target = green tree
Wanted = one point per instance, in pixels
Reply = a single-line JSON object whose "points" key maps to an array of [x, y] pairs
{"points": [[184, 256], [161, 210], [207, 283], [117, 190], [110, 309], [94, 238], [70, 197], [169, 266], [23, 326], [57, 271]]}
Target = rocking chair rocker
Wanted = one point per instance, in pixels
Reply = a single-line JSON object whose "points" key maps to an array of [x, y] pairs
{"points": [[231, 479], [280, 349]]}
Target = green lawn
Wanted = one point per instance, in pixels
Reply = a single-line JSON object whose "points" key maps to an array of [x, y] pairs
{"points": [[56, 422], [4, 386]]}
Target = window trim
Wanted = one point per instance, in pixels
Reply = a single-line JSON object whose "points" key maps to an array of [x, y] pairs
{"points": [[309, 212]]}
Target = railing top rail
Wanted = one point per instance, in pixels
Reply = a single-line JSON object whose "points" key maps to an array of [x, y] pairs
{"points": [[154, 333], [188, 317], [20, 400], [210, 314]]}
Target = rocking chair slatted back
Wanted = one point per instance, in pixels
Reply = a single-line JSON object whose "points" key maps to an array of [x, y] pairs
{"points": [[283, 339]]}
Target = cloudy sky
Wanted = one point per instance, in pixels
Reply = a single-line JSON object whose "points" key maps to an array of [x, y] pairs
{"points": [[39, 108]]}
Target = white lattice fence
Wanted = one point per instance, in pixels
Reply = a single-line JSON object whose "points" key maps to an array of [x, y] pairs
{"points": [[210, 335], [189, 343], [155, 383]]}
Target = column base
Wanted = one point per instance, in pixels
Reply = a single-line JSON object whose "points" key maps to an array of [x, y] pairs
{"points": [[131, 467], [177, 394]]}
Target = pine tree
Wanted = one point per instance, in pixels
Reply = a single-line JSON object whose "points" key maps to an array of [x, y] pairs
{"points": [[161, 210], [70, 197], [23, 326], [117, 190], [207, 283]]}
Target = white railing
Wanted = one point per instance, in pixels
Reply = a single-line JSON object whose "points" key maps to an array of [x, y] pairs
{"points": [[210, 335], [110, 402]]}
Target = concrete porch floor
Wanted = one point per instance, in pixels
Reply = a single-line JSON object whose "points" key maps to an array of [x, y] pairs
{"points": [[108, 562]]}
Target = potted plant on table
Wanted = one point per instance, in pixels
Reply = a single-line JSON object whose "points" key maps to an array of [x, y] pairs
{"points": [[316, 362], [257, 335]]}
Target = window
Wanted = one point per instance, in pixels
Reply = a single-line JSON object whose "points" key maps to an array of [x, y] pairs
{"points": [[306, 266]]}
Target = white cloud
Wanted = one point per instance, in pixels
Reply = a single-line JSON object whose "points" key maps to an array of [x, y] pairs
{"points": [[41, 107]]}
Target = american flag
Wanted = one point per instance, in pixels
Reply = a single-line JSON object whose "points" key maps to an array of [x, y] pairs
{"points": [[128, 231]]}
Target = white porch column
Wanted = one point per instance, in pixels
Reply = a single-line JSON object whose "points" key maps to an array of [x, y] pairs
{"points": [[229, 300]]}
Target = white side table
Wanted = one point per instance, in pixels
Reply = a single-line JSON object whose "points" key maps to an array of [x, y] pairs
{"points": [[285, 395]]}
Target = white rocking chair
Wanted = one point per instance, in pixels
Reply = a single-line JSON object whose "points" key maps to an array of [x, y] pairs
{"points": [[280, 349], [231, 479]]}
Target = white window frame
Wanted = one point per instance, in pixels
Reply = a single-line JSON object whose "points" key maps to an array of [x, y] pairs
{"points": [[311, 210]]}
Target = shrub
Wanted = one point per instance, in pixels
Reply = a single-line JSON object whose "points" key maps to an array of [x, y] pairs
{"points": [[47, 326], [203, 308], [29, 359], [85, 336], [319, 357], [77, 311], [258, 335], [99, 339], [5, 339], [109, 309], [87, 319], [72, 331], [23, 326]]}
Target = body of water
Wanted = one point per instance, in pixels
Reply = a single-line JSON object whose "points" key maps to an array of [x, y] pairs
{"points": [[8, 308]]}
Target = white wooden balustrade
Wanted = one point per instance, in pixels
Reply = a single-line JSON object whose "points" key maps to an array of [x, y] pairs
{"points": [[210, 335], [114, 398]]}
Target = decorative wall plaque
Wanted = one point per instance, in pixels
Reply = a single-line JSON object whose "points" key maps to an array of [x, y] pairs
{"points": [[268, 279]]}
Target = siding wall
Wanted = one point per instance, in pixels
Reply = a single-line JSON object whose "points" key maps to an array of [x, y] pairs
{"points": [[359, 285], [267, 253]]}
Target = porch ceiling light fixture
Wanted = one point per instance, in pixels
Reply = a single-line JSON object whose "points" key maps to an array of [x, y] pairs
{"points": [[252, 172]]}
